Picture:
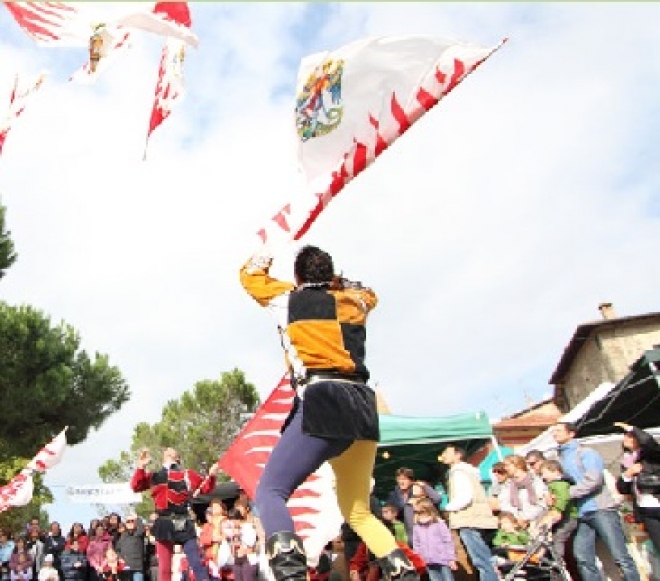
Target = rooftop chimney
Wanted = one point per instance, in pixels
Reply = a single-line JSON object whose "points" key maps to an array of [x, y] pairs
{"points": [[607, 311]]}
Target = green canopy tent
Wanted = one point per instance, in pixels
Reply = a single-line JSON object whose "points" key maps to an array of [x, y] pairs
{"points": [[417, 442]]}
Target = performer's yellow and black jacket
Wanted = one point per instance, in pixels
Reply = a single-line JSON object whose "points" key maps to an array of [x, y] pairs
{"points": [[323, 329]]}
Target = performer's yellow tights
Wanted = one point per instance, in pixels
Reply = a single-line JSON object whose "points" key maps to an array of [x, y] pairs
{"points": [[296, 456], [353, 469]]}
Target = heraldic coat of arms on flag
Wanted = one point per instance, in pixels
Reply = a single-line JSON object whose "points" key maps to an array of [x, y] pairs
{"points": [[319, 105]]}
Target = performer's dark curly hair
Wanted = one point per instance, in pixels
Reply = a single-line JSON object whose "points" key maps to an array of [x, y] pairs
{"points": [[313, 265]]}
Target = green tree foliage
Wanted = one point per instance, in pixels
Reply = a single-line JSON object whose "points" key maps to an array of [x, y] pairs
{"points": [[200, 425], [48, 383], [7, 252], [15, 519]]}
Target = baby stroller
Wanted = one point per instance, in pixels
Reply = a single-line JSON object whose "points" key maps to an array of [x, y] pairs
{"points": [[538, 561]]}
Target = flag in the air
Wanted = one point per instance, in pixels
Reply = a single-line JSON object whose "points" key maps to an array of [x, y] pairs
{"points": [[17, 100], [74, 23], [313, 506], [170, 84], [354, 102], [104, 28], [18, 492]]}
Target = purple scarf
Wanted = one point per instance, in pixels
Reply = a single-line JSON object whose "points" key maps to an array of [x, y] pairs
{"points": [[526, 483]]}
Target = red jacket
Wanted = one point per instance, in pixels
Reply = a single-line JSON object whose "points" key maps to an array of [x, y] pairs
{"points": [[171, 488], [107, 572], [360, 561]]}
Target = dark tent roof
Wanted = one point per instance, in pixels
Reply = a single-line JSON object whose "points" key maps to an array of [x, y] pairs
{"points": [[224, 491], [635, 400]]}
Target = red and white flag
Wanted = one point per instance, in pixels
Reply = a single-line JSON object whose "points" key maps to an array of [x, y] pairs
{"points": [[73, 23], [353, 103], [170, 85], [313, 505], [18, 492], [50, 23], [168, 19], [17, 101], [111, 47], [103, 27]]}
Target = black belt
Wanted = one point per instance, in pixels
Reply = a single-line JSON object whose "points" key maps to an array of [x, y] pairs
{"points": [[315, 376]]}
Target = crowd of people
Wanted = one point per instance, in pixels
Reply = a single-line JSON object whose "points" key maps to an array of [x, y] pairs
{"points": [[566, 495], [322, 324], [117, 548]]}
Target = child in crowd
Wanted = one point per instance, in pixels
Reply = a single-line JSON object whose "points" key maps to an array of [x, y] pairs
{"points": [[390, 514], [20, 562], [562, 512], [179, 564], [509, 532], [21, 568], [364, 566], [508, 543], [112, 565], [433, 542], [243, 542], [48, 571]]}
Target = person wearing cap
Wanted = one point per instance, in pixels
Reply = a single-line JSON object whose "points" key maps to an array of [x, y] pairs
{"points": [[130, 546], [322, 322], [48, 571], [172, 489]]}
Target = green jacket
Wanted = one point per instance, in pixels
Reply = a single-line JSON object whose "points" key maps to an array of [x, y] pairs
{"points": [[560, 489], [400, 532], [504, 539]]}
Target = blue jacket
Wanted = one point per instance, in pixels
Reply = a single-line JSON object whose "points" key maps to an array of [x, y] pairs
{"points": [[585, 467]]}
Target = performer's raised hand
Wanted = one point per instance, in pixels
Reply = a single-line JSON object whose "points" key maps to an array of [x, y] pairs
{"points": [[144, 458]]}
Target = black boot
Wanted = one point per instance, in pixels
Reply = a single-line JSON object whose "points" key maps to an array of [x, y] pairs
{"points": [[396, 566], [286, 556]]}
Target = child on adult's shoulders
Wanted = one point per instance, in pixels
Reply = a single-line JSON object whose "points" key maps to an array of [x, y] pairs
{"points": [[562, 512]]}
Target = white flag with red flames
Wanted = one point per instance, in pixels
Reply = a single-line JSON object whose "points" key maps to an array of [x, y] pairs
{"points": [[18, 492], [313, 505], [353, 103], [17, 100], [105, 28], [169, 87]]}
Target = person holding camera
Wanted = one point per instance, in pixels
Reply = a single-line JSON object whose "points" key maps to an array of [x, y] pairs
{"points": [[640, 478]]}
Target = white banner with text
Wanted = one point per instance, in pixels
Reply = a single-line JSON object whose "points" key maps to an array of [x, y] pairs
{"points": [[116, 493]]}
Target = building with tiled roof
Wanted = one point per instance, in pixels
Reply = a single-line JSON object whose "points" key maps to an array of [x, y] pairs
{"points": [[602, 351], [524, 425]]}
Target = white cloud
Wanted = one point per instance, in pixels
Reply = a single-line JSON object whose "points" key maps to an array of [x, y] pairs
{"points": [[490, 230]]}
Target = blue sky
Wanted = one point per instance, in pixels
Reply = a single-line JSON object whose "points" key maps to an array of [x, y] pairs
{"points": [[491, 230]]}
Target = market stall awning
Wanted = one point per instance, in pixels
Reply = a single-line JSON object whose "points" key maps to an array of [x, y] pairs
{"points": [[634, 400], [416, 442]]}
